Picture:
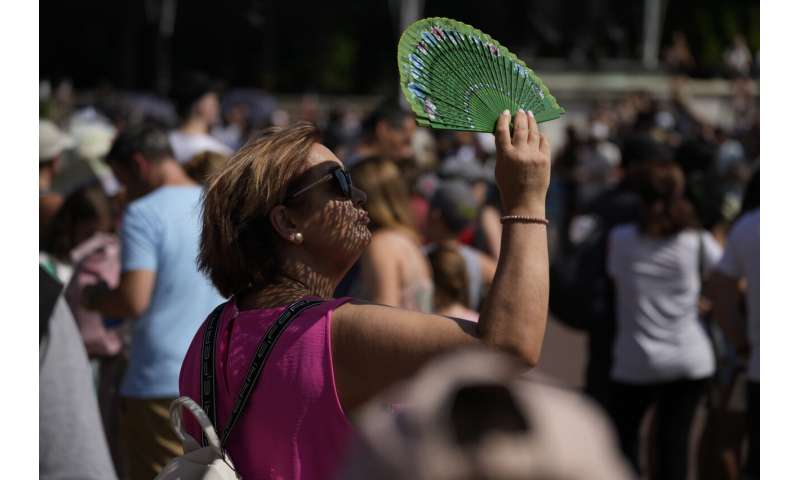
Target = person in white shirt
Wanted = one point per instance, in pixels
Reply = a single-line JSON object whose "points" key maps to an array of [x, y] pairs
{"points": [[198, 105], [662, 354], [741, 262]]}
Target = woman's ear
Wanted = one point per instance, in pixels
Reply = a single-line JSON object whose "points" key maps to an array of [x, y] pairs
{"points": [[282, 222]]}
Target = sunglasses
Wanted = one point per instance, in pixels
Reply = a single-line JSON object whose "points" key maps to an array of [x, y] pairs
{"points": [[343, 181]]}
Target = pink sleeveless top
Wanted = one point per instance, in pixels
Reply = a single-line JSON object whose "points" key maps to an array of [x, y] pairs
{"points": [[293, 426]]}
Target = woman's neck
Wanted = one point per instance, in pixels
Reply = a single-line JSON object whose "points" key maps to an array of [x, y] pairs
{"points": [[296, 281]]}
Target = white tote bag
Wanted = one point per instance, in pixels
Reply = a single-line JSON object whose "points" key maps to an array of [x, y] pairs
{"points": [[197, 462]]}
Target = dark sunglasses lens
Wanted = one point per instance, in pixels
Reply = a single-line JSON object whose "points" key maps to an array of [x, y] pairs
{"points": [[345, 183]]}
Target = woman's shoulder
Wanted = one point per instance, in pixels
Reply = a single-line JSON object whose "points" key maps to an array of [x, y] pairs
{"points": [[392, 241]]}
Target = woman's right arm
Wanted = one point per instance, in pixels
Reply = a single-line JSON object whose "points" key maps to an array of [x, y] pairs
{"points": [[375, 346]]}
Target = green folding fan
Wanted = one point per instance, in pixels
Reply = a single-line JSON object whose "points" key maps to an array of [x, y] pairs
{"points": [[458, 78]]}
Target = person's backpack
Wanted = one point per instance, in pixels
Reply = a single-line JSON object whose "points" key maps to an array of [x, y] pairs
{"points": [[209, 461]]}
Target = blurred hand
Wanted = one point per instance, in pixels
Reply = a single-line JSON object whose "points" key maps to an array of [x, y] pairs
{"points": [[522, 170]]}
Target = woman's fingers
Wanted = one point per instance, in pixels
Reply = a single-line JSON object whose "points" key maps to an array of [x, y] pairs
{"points": [[533, 131], [502, 137], [544, 145], [520, 128]]}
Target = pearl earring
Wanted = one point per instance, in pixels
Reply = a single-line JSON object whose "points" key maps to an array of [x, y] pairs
{"points": [[296, 237]]}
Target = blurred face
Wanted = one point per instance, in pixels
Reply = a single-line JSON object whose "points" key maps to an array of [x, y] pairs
{"points": [[395, 143], [132, 178], [126, 178], [334, 226], [207, 107]]}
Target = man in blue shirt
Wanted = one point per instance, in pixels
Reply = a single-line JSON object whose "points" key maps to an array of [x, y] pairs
{"points": [[160, 289]]}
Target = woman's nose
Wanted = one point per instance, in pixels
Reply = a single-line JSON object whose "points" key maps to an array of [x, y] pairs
{"points": [[359, 197]]}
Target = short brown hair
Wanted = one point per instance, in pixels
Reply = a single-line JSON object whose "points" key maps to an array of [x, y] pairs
{"points": [[238, 245], [148, 139]]}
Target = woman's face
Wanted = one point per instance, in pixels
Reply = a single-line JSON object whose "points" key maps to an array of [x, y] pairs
{"points": [[334, 227]]}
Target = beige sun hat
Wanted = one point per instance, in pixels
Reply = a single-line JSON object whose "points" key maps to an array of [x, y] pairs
{"points": [[52, 141], [471, 415]]}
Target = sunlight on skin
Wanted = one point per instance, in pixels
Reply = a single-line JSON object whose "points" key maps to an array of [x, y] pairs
{"points": [[335, 233]]}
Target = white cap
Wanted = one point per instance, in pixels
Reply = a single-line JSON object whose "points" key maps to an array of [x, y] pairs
{"points": [[52, 141]]}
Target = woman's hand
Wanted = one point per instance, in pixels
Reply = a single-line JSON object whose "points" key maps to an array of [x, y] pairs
{"points": [[522, 171]]}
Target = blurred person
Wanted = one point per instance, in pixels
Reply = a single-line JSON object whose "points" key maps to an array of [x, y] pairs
{"points": [[283, 222], [740, 263], [662, 353], [453, 209], [52, 144], [752, 194], [678, 57], [564, 183], [310, 110], [470, 414], [81, 236], [94, 135], [581, 291], [469, 170], [393, 269], [738, 58], [451, 283], [204, 165], [197, 101], [731, 172], [71, 441], [387, 132], [745, 108], [598, 165], [488, 233], [236, 128], [335, 135], [244, 110], [160, 290], [424, 145]]}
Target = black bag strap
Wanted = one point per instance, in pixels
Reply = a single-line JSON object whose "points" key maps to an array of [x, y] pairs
{"points": [[208, 383]]}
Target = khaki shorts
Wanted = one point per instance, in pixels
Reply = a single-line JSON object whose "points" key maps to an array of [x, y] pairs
{"points": [[148, 440]]}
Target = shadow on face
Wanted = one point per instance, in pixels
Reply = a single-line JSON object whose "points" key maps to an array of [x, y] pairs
{"points": [[334, 227]]}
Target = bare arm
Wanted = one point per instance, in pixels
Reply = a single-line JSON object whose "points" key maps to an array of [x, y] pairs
{"points": [[723, 291], [488, 267], [380, 272], [492, 230], [375, 346], [130, 299]]}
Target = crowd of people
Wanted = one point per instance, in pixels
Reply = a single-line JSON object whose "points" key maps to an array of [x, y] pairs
{"points": [[644, 234]]}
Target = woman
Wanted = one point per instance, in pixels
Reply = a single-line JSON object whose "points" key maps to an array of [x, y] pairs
{"points": [[662, 354], [451, 283], [393, 270], [81, 239], [282, 222]]}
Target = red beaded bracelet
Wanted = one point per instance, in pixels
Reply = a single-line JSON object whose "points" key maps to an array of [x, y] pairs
{"points": [[523, 219]]}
